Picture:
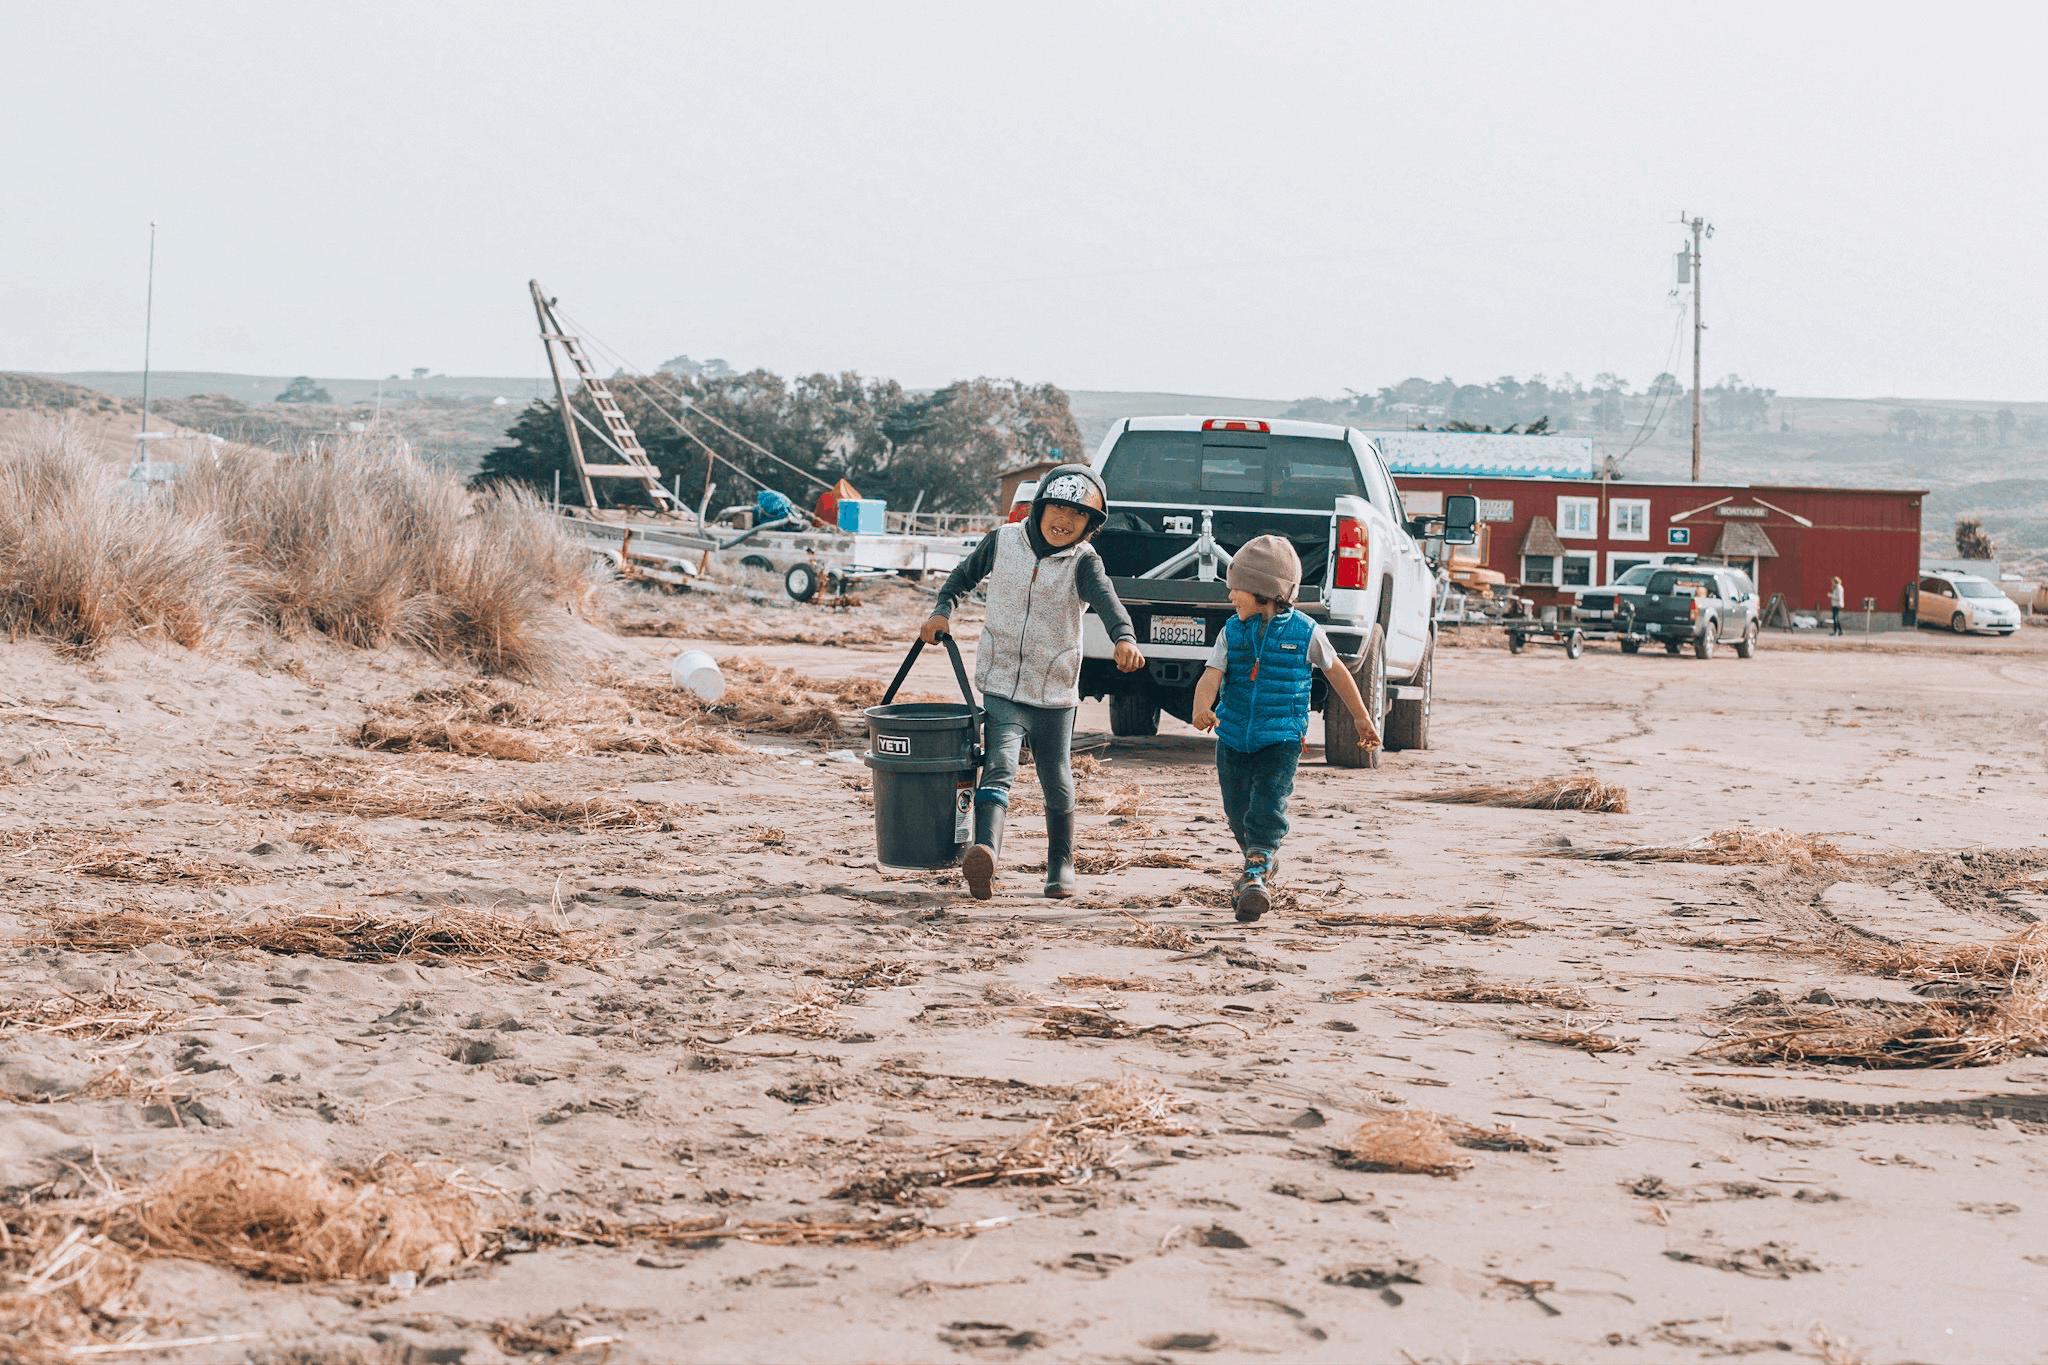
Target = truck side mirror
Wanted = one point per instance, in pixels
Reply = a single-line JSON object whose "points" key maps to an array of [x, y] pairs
{"points": [[1461, 518]]}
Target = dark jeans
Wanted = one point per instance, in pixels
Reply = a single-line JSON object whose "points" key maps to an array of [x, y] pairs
{"points": [[1052, 734], [1255, 791], [1837, 611]]}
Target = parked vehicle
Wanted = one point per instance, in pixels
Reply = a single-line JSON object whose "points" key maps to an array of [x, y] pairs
{"points": [[1185, 492], [1027, 493], [1964, 602], [1700, 605], [1595, 607]]}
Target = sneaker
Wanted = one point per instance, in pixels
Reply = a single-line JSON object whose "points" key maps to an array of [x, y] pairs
{"points": [[1252, 899]]}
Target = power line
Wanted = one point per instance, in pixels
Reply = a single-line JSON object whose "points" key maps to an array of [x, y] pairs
{"points": [[626, 372]]}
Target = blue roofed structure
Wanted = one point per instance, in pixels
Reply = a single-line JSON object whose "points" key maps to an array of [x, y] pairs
{"points": [[1478, 454]]}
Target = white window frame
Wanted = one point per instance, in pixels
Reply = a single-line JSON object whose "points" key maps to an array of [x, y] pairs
{"points": [[1616, 507], [1592, 562], [1615, 558], [1550, 582], [1567, 523]]}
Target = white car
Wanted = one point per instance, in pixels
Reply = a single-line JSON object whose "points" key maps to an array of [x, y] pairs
{"points": [[1964, 602]]}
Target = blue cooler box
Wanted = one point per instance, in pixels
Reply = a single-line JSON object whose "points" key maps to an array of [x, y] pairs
{"points": [[863, 516]]}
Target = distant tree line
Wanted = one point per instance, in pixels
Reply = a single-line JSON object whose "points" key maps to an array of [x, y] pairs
{"points": [[887, 441], [1961, 428], [1538, 405]]}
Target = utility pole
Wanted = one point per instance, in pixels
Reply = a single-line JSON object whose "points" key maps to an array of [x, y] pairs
{"points": [[148, 320], [1689, 267]]}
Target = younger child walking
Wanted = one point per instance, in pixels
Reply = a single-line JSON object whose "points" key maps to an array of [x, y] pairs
{"points": [[1041, 572], [1263, 663]]}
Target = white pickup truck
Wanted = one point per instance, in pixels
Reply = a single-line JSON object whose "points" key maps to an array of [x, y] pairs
{"points": [[1185, 492]]}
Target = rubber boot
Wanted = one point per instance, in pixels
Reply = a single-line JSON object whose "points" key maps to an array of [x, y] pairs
{"points": [[1253, 897], [1059, 853], [979, 866]]}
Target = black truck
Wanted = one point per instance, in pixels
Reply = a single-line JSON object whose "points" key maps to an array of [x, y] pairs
{"points": [[1699, 605]]}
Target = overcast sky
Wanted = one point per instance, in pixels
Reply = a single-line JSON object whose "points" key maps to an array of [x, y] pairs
{"points": [[1264, 200]]}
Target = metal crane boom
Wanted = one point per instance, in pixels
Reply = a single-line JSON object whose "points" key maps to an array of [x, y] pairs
{"points": [[618, 436]]}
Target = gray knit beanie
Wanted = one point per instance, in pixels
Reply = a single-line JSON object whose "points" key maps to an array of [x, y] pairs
{"points": [[1266, 567]]}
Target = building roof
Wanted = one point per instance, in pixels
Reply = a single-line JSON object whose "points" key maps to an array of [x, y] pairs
{"points": [[1542, 538], [1742, 540], [1626, 486], [1479, 454]]}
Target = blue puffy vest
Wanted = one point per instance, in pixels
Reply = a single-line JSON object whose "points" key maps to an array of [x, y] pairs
{"points": [[1272, 707]]}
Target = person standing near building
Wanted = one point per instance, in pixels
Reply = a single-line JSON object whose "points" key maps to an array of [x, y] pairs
{"points": [[1835, 604]]}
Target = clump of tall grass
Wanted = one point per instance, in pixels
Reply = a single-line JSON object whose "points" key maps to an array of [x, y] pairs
{"points": [[84, 563], [367, 545], [361, 543]]}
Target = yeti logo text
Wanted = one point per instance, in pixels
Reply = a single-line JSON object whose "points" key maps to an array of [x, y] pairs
{"points": [[892, 744]]}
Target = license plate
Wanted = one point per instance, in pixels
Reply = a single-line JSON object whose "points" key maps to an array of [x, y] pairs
{"points": [[1179, 630]]}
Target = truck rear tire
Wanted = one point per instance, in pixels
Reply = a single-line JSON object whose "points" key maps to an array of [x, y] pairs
{"points": [[1342, 745], [1709, 636], [1408, 721], [1134, 713]]}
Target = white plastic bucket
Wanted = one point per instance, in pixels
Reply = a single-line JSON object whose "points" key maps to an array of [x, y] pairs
{"points": [[698, 672]]}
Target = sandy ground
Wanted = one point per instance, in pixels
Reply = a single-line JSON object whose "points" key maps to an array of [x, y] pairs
{"points": [[773, 1017]]}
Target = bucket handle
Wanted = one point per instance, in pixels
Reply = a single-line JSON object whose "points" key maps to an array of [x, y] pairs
{"points": [[959, 670]]}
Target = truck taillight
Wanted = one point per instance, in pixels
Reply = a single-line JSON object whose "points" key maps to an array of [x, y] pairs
{"points": [[1693, 609], [1354, 551], [1235, 424]]}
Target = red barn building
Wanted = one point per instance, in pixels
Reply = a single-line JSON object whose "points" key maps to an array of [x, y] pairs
{"points": [[1553, 534]]}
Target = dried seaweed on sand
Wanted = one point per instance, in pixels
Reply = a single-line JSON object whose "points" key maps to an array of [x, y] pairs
{"points": [[1124, 798], [62, 1284], [1585, 793], [879, 973], [1730, 847], [101, 1017], [1072, 1147], [1080, 1021], [1501, 993], [1935, 1034], [349, 936], [395, 793], [131, 865], [762, 698], [811, 1015], [533, 808], [1415, 1141], [1074, 982], [277, 1214], [1585, 1040], [1483, 922], [1170, 937], [68, 1267], [1103, 864], [496, 719]]}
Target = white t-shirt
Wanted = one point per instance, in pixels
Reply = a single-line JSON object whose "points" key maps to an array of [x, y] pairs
{"points": [[1321, 653]]}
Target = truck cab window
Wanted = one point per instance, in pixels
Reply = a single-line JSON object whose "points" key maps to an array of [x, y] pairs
{"points": [[1231, 469]]}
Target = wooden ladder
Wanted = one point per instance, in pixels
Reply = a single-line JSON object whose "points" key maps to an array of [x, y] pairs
{"points": [[617, 434]]}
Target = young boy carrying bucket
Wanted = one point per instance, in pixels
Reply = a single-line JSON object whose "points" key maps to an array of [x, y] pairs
{"points": [[1041, 572], [1263, 662]]}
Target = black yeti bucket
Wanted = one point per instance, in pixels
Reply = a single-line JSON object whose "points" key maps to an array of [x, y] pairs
{"points": [[926, 757]]}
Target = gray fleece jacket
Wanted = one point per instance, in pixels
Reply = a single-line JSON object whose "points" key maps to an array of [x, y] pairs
{"points": [[1030, 650]]}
